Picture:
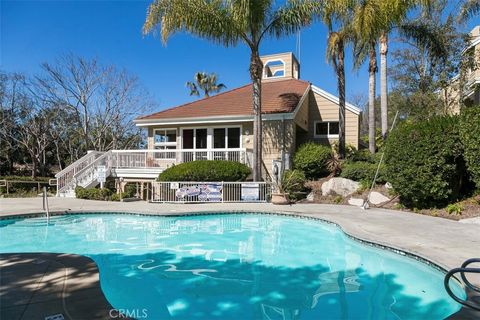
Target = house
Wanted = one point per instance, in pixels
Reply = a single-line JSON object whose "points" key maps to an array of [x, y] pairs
{"points": [[294, 111], [471, 86], [221, 127]]}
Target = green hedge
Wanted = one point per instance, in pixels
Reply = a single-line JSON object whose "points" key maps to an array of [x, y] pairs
{"points": [[93, 193], [424, 162], [470, 137], [206, 170], [363, 171], [312, 158]]}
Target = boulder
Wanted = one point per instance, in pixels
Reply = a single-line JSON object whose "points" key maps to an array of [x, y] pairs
{"points": [[339, 186], [377, 198], [355, 202]]}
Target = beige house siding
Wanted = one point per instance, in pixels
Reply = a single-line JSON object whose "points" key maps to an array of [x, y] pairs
{"points": [[322, 109], [278, 136]]}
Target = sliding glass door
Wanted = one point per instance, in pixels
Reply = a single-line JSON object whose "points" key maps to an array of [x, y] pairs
{"points": [[211, 143]]}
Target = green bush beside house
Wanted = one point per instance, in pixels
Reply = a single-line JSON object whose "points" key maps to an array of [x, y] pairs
{"points": [[312, 159]]}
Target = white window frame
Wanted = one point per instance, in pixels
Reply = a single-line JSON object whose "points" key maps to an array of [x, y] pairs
{"points": [[328, 135], [165, 144]]}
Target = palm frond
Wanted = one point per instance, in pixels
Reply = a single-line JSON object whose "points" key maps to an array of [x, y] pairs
{"points": [[425, 37], [469, 9], [295, 15], [207, 19]]}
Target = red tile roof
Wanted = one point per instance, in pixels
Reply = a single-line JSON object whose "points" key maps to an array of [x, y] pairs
{"points": [[277, 97]]}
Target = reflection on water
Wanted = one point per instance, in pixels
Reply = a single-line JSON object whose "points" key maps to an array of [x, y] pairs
{"points": [[239, 267]]}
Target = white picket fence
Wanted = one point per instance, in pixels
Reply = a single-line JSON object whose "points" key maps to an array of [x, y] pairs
{"points": [[197, 192]]}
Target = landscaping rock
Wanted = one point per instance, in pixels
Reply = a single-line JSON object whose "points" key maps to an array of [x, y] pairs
{"points": [[339, 186], [388, 185], [355, 202], [377, 198], [311, 196]]}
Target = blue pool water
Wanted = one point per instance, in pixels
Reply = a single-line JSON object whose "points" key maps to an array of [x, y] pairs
{"points": [[238, 267]]}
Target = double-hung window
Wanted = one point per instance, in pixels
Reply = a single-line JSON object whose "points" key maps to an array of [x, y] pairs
{"points": [[165, 139], [326, 129]]}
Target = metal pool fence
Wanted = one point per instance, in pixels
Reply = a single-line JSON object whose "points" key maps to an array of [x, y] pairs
{"points": [[196, 192]]}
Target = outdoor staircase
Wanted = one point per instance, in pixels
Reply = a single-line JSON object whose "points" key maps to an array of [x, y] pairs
{"points": [[83, 173]]}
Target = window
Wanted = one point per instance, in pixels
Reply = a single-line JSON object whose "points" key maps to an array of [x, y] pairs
{"points": [[326, 129], [216, 138], [165, 139]]}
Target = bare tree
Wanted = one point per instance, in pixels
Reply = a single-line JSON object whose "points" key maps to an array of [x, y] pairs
{"points": [[103, 99]]}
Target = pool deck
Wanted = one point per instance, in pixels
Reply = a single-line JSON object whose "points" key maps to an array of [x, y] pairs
{"points": [[37, 285], [445, 242]]}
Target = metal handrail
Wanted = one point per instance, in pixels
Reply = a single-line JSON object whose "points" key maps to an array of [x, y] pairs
{"points": [[462, 271]]}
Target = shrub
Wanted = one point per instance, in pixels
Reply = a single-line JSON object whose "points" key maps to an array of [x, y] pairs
{"points": [[293, 183], [130, 190], [424, 162], [312, 159], [93, 193], [206, 170], [363, 171], [470, 137], [363, 155], [455, 208]]}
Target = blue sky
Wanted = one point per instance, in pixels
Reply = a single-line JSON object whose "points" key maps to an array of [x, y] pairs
{"points": [[33, 32]]}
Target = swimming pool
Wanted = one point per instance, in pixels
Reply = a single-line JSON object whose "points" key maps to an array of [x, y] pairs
{"points": [[238, 266]]}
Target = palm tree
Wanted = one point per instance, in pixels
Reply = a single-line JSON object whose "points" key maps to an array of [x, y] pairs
{"points": [[229, 22], [207, 83], [336, 13], [391, 13], [365, 24]]}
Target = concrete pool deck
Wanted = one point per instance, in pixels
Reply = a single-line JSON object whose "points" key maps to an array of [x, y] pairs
{"points": [[445, 242]]}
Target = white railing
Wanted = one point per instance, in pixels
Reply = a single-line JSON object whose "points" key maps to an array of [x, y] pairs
{"points": [[195, 192], [90, 173], [83, 171], [166, 158], [66, 176]]}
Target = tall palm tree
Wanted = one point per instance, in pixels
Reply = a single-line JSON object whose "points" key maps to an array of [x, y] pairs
{"points": [[229, 22], [391, 13], [207, 83], [336, 15], [366, 27]]}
